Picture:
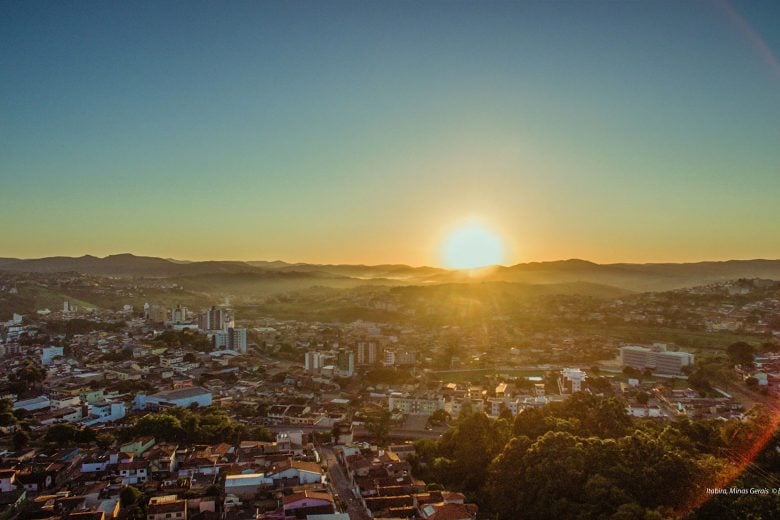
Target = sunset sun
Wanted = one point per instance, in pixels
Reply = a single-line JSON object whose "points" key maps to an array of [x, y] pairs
{"points": [[471, 246]]}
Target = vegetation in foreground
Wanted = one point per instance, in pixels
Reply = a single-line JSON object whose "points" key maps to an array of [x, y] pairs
{"points": [[585, 458]]}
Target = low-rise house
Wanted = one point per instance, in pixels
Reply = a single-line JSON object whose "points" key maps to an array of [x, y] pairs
{"points": [[167, 507], [134, 472], [303, 504]]}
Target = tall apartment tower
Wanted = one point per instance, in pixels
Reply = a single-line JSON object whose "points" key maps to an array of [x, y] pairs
{"points": [[236, 340], [213, 319]]}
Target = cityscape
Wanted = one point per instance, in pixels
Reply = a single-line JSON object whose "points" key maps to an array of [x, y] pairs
{"points": [[177, 402], [433, 260]]}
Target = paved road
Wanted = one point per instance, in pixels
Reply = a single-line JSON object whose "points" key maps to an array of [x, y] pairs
{"points": [[360, 432], [339, 481]]}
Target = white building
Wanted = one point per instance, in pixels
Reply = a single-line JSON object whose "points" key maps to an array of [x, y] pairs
{"points": [[311, 361], [415, 405], [49, 353], [575, 376], [181, 397], [655, 359], [219, 340], [102, 412], [179, 314]]}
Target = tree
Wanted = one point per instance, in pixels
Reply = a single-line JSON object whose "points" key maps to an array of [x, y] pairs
{"points": [[261, 433], [85, 435], [7, 417], [740, 353], [129, 496], [105, 440], [642, 398], [631, 372], [61, 433], [161, 426], [378, 425], [438, 418], [20, 439], [26, 378]]}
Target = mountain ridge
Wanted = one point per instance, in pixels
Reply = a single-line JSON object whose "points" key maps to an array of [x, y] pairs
{"points": [[624, 275]]}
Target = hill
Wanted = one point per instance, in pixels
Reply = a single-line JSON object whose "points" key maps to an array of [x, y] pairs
{"points": [[625, 276]]}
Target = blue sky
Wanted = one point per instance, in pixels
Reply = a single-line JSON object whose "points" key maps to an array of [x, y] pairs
{"points": [[367, 131]]}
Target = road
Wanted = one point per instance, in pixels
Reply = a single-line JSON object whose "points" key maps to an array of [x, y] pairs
{"points": [[361, 433], [340, 482]]}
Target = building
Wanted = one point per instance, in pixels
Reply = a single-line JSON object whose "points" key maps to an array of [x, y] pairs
{"points": [[672, 362], [236, 340], [219, 340], [179, 314], [572, 378], [345, 361], [311, 361], [369, 353], [181, 397], [167, 507], [245, 485], [133, 472], [213, 319], [104, 411], [7, 480], [155, 313], [415, 405], [49, 353], [306, 503], [35, 403], [656, 359]]}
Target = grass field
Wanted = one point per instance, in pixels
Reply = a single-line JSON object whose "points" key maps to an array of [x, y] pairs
{"points": [[681, 337], [461, 376]]}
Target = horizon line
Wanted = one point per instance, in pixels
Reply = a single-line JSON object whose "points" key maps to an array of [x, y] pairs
{"points": [[422, 266]]}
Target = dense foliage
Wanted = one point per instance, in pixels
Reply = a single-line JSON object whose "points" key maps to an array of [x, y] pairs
{"points": [[586, 458], [208, 426]]}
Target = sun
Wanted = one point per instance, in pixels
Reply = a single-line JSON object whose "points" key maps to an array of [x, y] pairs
{"points": [[471, 246]]}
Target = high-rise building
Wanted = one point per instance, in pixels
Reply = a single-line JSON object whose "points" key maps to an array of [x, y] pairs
{"points": [[219, 340], [155, 313], [236, 340], [346, 363], [369, 353], [311, 361], [179, 314], [212, 319]]}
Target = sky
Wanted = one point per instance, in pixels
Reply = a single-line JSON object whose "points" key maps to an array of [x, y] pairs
{"points": [[368, 132]]}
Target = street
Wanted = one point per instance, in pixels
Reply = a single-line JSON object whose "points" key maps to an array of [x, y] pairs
{"points": [[339, 481]]}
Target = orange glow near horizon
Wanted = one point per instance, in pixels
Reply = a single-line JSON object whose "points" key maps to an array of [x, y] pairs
{"points": [[472, 245]]}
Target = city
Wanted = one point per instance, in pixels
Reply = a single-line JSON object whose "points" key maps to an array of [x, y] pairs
{"points": [[202, 412], [400, 259]]}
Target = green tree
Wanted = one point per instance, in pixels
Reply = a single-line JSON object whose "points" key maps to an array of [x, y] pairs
{"points": [[61, 433], [378, 425], [85, 435], [161, 426], [740, 353], [7, 417], [439, 417], [20, 439], [105, 440], [129, 496]]}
